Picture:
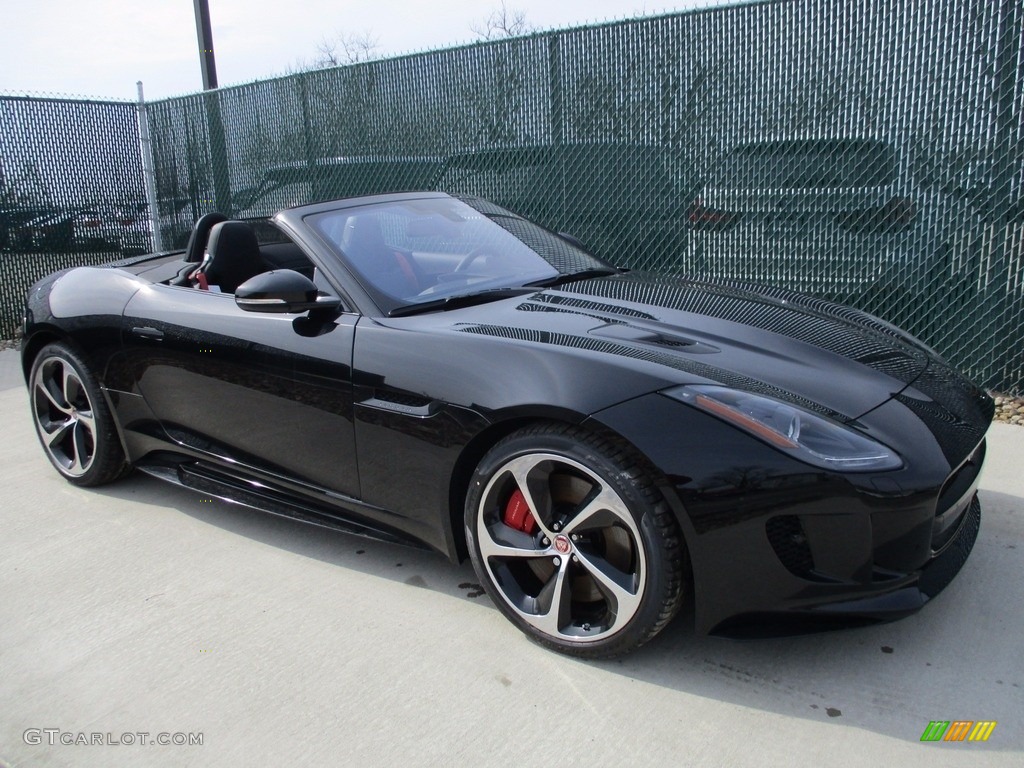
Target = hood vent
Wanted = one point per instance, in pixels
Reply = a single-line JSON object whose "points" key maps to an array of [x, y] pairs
{"points": [[848, 333], [553, 302], [624, 332]]}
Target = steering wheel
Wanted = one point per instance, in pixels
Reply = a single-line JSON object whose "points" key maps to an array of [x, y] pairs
{"points": [[470, 257]]}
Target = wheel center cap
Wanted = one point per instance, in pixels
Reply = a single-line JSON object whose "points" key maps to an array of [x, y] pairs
{"points": [[562, 543]]}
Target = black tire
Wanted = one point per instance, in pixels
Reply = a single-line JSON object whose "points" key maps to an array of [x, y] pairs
{"points": [[600, 569], [73, 422]]}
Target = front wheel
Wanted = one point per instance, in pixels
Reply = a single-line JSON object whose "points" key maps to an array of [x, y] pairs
{"points": [[573, 541], [72, 419]]}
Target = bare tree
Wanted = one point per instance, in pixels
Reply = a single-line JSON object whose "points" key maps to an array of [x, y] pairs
{"points": [[495, 92], [348, 95], [502, 22], [342, 49], [347, 48]]}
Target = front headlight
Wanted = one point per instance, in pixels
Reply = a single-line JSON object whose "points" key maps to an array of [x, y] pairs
{"points": [[793, 430]]}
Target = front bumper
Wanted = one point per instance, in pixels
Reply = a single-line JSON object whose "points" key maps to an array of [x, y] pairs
{"points": [[891, 599], [778, 546]]}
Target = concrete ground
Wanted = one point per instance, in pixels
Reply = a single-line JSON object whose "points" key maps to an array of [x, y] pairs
{"points": [[142, 608]]}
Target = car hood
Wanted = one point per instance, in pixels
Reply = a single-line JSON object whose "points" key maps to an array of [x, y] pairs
{"points": [[834, 359]]}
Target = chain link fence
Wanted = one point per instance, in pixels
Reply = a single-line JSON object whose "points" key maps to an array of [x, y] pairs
{"points": [[71, 191], [870, 153]]}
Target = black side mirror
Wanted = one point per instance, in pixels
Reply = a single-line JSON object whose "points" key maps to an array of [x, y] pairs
{"points": [[282, 290]]}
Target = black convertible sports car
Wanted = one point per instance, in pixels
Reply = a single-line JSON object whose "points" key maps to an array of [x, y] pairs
{"points": [[601, 443]]}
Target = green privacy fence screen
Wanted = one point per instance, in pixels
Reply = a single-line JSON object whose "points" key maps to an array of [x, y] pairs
{"points": [[71, 191], [868, 152]]}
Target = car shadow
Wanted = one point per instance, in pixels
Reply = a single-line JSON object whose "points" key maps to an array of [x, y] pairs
{"points": [[956, 659], [406, 564]]}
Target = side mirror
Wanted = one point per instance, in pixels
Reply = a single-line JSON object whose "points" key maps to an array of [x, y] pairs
{"points": [[282, 290]]}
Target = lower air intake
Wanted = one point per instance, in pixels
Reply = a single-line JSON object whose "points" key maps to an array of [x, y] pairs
{"points": [[787, 537]]}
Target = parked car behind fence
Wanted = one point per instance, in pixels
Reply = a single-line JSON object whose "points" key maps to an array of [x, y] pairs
{"points": [[839, 216]]}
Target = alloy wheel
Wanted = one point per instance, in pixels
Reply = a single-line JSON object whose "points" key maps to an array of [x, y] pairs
{"points": [[561, 547], [64, 416]]}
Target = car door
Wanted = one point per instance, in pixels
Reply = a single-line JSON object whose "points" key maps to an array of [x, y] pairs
{"points": [[267, 392]]}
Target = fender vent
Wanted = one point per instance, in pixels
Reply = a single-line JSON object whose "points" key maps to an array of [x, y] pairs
{"points": [[402, 402], [402, 398], [787, 537]]}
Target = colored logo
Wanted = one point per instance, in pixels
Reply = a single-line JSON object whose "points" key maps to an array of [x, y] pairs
{"points": [[958, 730], [562, 543]]}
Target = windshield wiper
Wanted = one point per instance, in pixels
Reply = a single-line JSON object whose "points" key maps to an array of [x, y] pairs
{"points": [[459, 300], [572, 277]]}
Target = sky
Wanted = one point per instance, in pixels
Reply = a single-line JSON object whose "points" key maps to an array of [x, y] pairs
{"points": [[100, 48]]}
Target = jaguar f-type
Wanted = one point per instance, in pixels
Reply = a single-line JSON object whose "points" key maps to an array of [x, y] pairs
{"points": [[605, 445]]}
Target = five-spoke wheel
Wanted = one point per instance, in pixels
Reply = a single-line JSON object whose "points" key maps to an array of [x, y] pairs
{"points": [[72, 419], [573, 542]]}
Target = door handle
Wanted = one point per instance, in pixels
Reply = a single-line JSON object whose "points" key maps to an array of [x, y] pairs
{"points": [[148, 332]]}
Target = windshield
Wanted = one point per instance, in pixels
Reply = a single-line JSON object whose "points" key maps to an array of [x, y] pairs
{"points": [[410, 252]]}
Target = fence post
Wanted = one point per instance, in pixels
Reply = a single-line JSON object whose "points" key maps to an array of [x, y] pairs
{"points": [[557, 115], [556, 119], [149, 171], [308, 148]]}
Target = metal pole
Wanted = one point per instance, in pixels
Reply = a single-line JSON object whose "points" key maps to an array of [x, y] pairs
{"points": [[205, 34], [149, 171], [214, 122]]}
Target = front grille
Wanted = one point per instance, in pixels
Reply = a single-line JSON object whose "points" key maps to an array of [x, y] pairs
{"points": [[787, 537]]}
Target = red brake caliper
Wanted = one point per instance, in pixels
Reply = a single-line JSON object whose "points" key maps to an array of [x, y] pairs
{"points": [[518, 514]]}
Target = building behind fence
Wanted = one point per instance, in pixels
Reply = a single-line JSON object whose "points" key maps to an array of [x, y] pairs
{"points": [[870, 153]]}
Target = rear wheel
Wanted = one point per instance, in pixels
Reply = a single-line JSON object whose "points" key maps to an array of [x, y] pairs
{"points": [[573, 542], [72, 419]]}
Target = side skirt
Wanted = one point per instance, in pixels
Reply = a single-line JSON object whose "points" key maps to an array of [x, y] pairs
{"points": [[210, 481]]}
